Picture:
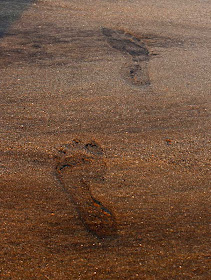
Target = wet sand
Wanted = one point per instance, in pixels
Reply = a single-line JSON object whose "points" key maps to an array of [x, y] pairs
{"points": [[10, 11], [134, 77]]}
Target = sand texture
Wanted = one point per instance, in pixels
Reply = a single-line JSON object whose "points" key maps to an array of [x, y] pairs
{"points": [[105, 141]]}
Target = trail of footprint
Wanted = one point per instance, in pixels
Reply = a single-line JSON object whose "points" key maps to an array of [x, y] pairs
{"points": [[79, 165], [136, 72]]}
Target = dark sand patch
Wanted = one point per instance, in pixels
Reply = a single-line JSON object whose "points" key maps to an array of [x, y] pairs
{"points": [[10, 11]]}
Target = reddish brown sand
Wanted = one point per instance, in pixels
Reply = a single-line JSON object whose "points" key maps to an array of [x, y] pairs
{"points": [[62, 78]]}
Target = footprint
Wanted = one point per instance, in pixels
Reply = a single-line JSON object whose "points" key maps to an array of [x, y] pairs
{"points": [[78, 166], [136, 72]]}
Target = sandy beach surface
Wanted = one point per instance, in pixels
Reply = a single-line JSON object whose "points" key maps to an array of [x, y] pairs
{"points": [[123, 89]]}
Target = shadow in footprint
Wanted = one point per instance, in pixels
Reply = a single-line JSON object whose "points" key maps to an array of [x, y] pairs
{"points": [[78, 166], [137, 71]]}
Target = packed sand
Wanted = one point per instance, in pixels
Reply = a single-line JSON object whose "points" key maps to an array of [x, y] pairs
{"points": [[105, 141]]}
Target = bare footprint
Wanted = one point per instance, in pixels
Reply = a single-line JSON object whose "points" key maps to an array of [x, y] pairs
{"points": [[78, 166], [137, 71]]}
